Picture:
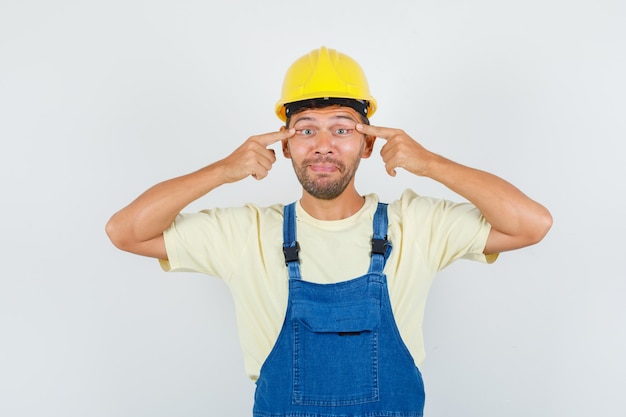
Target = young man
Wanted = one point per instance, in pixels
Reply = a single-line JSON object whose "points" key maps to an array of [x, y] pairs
{"points": [[330, 290]]}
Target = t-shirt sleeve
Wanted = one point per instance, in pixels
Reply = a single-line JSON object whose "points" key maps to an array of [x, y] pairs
{"points": [[209, 241], [445, 230]]}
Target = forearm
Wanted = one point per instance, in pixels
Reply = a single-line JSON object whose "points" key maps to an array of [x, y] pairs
{"points": [[150, 214], [506, 208], [516, 220], [139, 226]]}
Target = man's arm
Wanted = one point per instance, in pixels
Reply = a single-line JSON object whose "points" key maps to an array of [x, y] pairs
{"points": [[516, 220], [139, 227]]}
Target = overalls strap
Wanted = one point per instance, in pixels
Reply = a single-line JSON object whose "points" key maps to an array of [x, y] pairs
{"points": [[381, 247], [290, 245]]}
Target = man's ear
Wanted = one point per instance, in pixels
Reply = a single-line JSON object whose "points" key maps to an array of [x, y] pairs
{"points": [[285, 144], [369, 146]]}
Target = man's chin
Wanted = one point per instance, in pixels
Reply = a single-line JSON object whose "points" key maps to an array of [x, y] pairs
{"points": [[325, 192]]}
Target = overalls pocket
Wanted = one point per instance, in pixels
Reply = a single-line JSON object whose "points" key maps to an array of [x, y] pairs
{"points": [[335, 353]]}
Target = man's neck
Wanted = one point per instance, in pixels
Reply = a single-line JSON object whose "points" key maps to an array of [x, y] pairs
{"points": [[344, 206]]}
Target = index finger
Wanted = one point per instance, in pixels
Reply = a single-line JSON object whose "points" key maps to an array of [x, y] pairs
{"points": [[379, 132], [270, 138]]}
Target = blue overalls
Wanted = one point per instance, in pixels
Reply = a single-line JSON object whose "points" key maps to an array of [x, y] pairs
{"points": [[339, 352]]}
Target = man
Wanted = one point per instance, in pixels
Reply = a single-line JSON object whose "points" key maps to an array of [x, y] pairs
{"points": [[330, 290]]}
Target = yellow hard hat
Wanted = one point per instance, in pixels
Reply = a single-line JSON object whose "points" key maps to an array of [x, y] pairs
{"points": [[325, 73]]}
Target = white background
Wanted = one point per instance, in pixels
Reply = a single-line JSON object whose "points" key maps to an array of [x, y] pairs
{"points": [[101, 99]]}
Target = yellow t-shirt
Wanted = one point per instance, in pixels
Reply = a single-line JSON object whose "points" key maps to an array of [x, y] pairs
{"points": [[243, 247]]}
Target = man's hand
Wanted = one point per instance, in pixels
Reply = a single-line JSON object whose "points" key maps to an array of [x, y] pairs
{"points": [[400, 151], [252, 157]]}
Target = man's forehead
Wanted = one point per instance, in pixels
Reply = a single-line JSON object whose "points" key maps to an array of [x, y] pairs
{"points": [[327, 113]]}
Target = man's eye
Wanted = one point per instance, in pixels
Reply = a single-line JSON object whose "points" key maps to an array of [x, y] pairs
{"points": [[305, 132], [342, 131]]}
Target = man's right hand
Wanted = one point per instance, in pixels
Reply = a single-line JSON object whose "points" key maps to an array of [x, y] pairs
{"points": [[252, 157]]}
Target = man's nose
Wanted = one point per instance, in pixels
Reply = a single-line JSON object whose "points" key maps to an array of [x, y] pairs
{"points": [[324, 141]]}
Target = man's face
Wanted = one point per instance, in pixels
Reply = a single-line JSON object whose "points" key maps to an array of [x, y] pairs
{"points": [[326, 149]]}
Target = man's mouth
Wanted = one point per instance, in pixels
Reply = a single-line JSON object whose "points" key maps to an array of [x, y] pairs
{"points": [[324, 165]]}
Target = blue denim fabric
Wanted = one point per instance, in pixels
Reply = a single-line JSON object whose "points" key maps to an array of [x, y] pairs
{"points": [[339, 352]]}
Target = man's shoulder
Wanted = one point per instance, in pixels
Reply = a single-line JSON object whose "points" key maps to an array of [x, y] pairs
{"points": [[237, 216], [245, 210], [421, 208]]}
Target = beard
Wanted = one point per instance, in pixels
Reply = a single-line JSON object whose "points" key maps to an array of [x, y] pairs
{"points": [[322, 186]]}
